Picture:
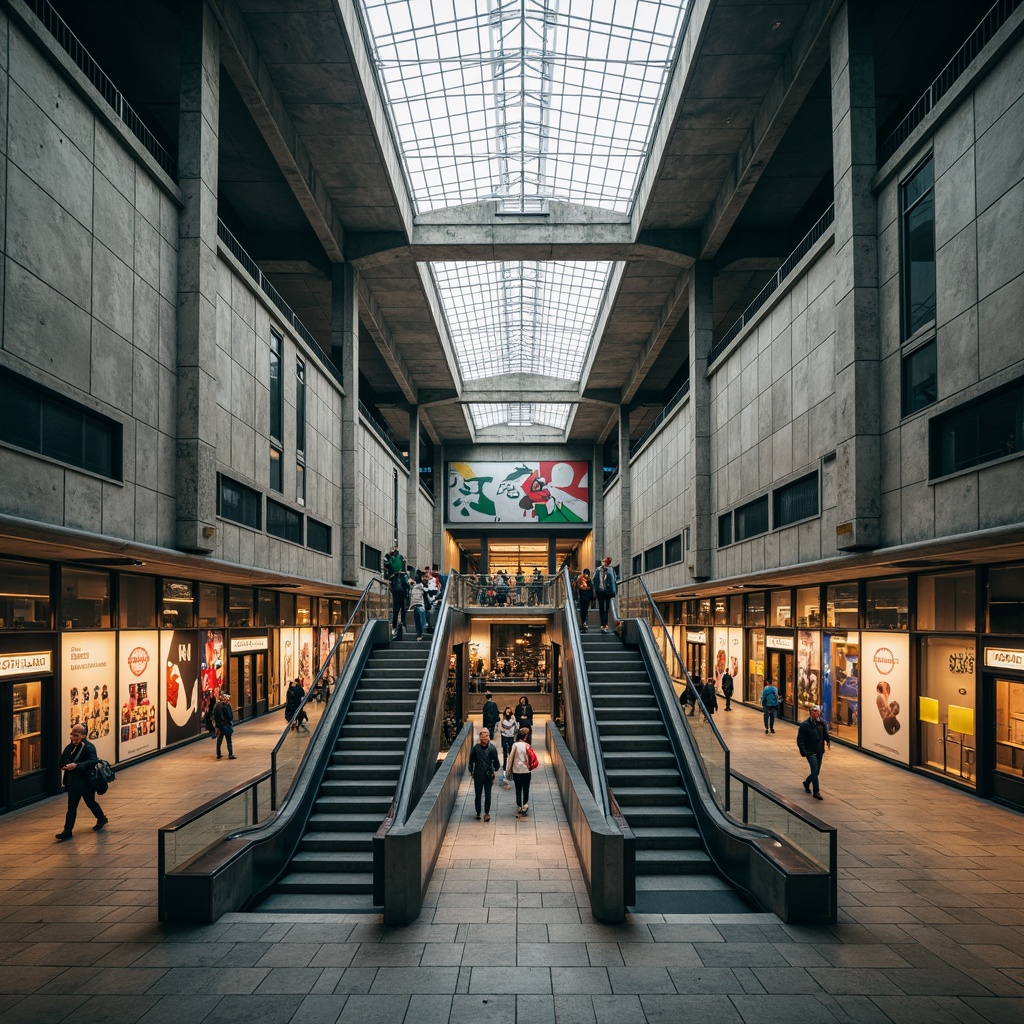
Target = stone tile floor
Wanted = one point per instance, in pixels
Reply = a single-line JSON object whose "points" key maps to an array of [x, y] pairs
{"points": [[931, 924]]}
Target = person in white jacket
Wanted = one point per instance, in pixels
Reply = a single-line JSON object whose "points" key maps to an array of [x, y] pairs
{"points": [[519, 768]]}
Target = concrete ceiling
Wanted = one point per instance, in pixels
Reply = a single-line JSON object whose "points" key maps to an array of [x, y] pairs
{"points": [[741, 163]]}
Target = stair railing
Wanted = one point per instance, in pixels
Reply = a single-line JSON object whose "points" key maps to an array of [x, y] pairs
{"points": [[284, 762]]}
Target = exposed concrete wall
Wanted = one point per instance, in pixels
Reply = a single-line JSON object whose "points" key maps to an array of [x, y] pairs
{"points": [[89, 239], [612, 516], [425, 554], [979, 208], [375, 494]]}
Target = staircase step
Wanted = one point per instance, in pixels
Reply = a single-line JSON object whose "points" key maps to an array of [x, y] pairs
{"points": [[644, 816], [624, 760], [366, 806], [650, 838], [333, 861], [325, 882], [333, 821], [623, 778], [673, 862], [353, 789], [628, 726], [644, 741], [650, 796], [344, 842]]}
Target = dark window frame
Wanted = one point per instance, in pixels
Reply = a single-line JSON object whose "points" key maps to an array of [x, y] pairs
{"points": [[284, 523], [252, 522], [912, 203], [313, 531], [654, 558], [725, 530], [744, 530], [915, 396], [370, 557], [674, 549], [780, 495], [976, 419], [276, 388]]}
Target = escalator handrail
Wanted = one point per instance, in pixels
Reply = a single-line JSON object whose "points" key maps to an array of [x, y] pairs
{"points": [[588, 720]]}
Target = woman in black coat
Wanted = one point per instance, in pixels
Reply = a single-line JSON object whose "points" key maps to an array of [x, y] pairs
{"points": [[524, 717]]}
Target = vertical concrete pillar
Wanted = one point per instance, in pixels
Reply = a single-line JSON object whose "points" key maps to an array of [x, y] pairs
{"points": [[701, 292], [858, 447], [412, 491], [625, 496], [345, 353], [438, 548], [597, 503], [196, 449]]}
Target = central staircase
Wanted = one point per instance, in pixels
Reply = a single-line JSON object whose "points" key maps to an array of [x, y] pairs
{"points": [[673, 872], [333, 867]]}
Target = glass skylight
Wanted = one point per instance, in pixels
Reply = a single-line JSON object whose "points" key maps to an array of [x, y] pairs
{"points": [[522, 101], [518, 414]]}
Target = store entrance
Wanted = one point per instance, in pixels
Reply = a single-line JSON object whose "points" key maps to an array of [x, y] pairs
{"points": [[697, 660], [25, 709], [780, 672], [248, 677], [1006, 780]]}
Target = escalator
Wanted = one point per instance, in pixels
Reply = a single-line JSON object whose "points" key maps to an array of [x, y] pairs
{"points": [[332, 869], [674, 873]]}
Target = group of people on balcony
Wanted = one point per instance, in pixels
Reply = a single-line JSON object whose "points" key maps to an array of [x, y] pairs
{"points": [[500, 589]]}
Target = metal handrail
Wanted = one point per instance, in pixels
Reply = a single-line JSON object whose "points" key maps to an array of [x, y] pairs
{"points": [[314, 686], [98, 78], [823, 223], [635, 446], [382, 432], [982, 35], [588, 719]]}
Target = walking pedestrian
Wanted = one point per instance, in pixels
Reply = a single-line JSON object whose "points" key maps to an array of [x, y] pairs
{"points": [[483, 763], [398, 584], [293, 699], [224, 718], [519, 767], [605, 586], [491, 714], [524, 717], [77, 760], [208, 722], [769, 705], [584, 595], [709, 699], [727, 689], [418, 603], [812, 739], [508, 727]]}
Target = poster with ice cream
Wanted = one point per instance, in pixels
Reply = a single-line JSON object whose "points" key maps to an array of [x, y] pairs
{"points": [[179, 684]]}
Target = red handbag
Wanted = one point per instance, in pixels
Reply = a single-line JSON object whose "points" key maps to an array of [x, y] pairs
{"points": [[532, 759]]}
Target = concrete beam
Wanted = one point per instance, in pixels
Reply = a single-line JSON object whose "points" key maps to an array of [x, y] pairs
{"points": [[808, 54], [374, 321], [248, 71]]}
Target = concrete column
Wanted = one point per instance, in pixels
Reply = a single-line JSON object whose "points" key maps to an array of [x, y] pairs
{"points": [[858, 448], [701, 291], [412, 490], [625, 496], [437, 547], [196, 449], [597, 503], [345, 354]]}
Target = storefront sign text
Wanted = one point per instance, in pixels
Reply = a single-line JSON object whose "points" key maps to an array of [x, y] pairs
{"points": [[779, 643], [997, 657], [241, 644], [40, 662], [697, 638]]}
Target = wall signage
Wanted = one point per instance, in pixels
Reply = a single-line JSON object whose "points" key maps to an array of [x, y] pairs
{"points": [[998, 657], [35, 663], [779, 643], [697, 638], [527, 493], [242, 644]]}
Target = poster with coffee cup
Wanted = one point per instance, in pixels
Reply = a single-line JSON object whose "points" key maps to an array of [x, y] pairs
{"points": [[179, 682]]}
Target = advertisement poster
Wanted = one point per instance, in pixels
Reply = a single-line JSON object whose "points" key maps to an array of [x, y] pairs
{"points": [[325, 644], [729, 655], [288, 661], [885, 686], [211, 666], [520, 493], [808, 668], [305, 657], [88, 678], [179, 700], [138, 690]]}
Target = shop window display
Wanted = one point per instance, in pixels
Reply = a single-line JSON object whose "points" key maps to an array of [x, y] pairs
{"points": [[754, 682], [28, 717], [842, 606], [755, 612], [178, 605], [1010, 727], [808, 607], [1006, 600], [841, 683], [946, 602], [240, 606], [24, 595], [782, 608], [137, 601], [84, 599], [885, 604], [946, 707], [211, 605], [808, 669]]}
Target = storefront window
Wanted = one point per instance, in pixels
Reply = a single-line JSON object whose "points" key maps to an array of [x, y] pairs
{"points": [[286, 609], [721, 611], [303, 612], [885, 604], [84, 599], [323, 611], [946, 601], [782, 608], [841, 683], [808, 668], [736, 610], [137, 600], [755, 615], [178, 604], [1006, 600], [211, 605], [704, 612], [24, 595], [808, 607], [842, 606], [755, 664], [1009, 726], [339, 618], [28, 719], [945, 707], [266, 608], [240, 606]]}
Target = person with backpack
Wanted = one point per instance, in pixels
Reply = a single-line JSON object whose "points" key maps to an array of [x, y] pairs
{"points": [[224, 718], [394, 562], [398, 584], [605, 586], [769, 705], [709, 699], [77, 759], [419, 602], [584, 595], [521, 762]]}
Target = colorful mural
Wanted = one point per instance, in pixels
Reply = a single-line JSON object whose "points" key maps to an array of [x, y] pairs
{"points": [[518, 493]]}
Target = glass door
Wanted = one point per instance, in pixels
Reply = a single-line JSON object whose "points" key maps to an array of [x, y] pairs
{"points": [[780, 672], [25, 706], [260, 673]]}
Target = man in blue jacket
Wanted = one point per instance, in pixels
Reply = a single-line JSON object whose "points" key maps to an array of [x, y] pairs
{"points": [[605, 586], [77, 759]]}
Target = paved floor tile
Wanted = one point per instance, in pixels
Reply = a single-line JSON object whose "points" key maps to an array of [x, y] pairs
{"points": [[510, 980]]}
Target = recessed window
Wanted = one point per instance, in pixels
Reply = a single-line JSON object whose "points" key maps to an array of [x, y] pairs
{"points": [[177, 604], [654, 558], [989, 428], [84, 599], [24, 595], [752, 518], [239, 503], [917, 256], [674, 550], [284, 522], [36, 419], [276, 476], [137, 601], [300, 484], [885, 604], [725, 530], [276, 390], [638, 564], [369, 558], [300, 406], [796, 501], [920, 378], [318, 536]]}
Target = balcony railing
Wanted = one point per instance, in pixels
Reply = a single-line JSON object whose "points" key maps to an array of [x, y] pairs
{"points": [[993, 21], [787, 267], [636, 445], [70, 44], [384, 434]]}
